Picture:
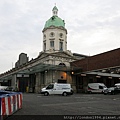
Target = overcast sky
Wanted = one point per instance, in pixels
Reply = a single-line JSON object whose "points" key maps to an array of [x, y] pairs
{"points": [[93, 27]]}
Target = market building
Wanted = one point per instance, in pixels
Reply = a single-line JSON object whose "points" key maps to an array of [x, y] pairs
{"points": [[51, 65], [57, 64]]}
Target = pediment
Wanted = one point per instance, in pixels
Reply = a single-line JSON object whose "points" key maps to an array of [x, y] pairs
{"points": [[62, 54], [56, 54]]}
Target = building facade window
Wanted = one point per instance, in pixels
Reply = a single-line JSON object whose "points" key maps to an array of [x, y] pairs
{"points": [[61, 35], [44, 36], [52, 44], [61, 46], [52, 34], [44, 46]]}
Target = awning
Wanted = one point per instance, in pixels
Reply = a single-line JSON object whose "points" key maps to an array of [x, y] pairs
{"points": [[40, 68], [103, 74], [45, 67]]}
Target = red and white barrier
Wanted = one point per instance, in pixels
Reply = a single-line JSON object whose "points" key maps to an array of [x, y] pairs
{"points": [[20, 101], [3, 107], [10, 103], [9, 106]]}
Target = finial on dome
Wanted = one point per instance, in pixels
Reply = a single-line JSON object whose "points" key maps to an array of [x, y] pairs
{"points": [[55, 10]]}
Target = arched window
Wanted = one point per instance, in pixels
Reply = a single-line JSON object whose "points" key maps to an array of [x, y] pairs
{"points": [[62, 64], [52, 44], [44, 46], [61, 46]]}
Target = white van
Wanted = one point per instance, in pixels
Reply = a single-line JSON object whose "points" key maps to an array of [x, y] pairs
{"points": [[57, 88], [95, 87]]}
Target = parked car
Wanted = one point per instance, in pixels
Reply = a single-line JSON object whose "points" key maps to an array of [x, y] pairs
{"points": [[3, 87], [112, 90], [10, 88], [117, 85], [95, 87]]}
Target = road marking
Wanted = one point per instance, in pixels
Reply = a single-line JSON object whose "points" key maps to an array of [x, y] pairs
{"points": [[57, 104]]}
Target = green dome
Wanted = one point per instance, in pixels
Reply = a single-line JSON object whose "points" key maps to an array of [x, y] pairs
{"points": [[54, 21]]}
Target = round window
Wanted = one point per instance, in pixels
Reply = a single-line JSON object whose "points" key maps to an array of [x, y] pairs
{"points": [[52, 34], [61, 35]]}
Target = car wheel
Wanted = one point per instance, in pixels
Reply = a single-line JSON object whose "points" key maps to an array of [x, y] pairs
{"points": [[64, 94], [71, 92], [89, 92], [46, 94], [113, 93]]}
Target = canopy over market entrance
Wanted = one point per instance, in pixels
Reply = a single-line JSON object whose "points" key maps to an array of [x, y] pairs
{"points": [[40, 68]]}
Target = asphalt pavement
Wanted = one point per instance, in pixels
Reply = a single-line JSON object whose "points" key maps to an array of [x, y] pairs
{"points": [[76, 104]]}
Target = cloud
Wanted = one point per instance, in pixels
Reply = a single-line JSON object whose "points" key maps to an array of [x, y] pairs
{"points": [[96, 29]]}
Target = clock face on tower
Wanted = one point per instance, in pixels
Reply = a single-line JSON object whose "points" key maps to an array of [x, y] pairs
{"points": [[61, 35], [52, 34]]}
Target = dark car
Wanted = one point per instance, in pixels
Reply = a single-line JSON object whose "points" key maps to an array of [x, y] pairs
{"points": [[112, 90]]}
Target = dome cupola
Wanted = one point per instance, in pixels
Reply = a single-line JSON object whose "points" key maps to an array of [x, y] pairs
{"points": [[55, 20]]}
